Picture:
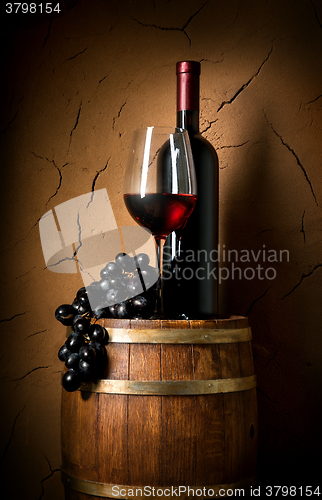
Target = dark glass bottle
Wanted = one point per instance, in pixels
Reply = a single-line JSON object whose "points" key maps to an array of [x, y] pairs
{"points": [[191, 253]]}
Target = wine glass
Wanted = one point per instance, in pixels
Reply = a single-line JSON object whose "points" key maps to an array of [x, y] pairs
{"points": [[160, 188]]}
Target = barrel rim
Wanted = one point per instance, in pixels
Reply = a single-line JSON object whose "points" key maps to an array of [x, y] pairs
{"points": [[170, 387], [178, 336], [105, 490], [207, 331], [233, 322]]}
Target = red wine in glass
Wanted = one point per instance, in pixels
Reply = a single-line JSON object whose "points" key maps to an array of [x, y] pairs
{"points": [[161, 213], [160, 189]]}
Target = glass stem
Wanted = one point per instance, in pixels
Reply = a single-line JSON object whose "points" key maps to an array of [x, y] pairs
{"points": [[159, 243]]}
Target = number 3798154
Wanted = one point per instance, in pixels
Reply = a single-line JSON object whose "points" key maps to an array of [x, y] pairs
{"points": [[32, 8]]}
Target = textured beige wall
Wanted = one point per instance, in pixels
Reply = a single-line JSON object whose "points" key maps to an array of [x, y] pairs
{"points": [[75, 88]]}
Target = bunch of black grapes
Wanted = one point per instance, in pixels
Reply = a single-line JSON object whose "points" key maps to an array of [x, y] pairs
{"points": [[126, 290], [83, 353]]}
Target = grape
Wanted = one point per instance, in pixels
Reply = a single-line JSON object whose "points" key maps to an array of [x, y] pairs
{"points": [[99, 349], [119, 258], [65, 314], [72, 361], [117, 283], [101, 312], [98, 334], [71, 381], [76, 306], [113, 269], [125, 262], [94, 292], [141, 307], [74, 342], [104, 273], [111, 296], [81, 324], [139, 303], [87, 370], [80, 309], [83, 299], [115, 296], [63, 353], [149, 276], [134, 287], [122, 310], [83, 309], [87, 353], [80, 292], [182, 316], [94, 285], [112, 311], [142, 260], [104, 284]]}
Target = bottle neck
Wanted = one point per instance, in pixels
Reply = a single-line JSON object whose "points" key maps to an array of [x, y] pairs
{"points": [[188, 98], [189, 120]]}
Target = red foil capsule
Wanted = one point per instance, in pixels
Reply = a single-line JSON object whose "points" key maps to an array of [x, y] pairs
{"points": [[188, 85]]}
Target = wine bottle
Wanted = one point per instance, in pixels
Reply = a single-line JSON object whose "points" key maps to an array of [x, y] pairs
{"points": [[190, 253]]}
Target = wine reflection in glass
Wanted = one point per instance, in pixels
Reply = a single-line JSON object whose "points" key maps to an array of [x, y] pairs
{"points": [[160, 189]]}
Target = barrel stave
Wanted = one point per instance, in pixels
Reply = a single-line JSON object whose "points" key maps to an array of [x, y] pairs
{"points": [[178, 415], [144, 418]]}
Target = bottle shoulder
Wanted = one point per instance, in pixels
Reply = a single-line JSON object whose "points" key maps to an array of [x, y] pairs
{"points": [[201, 139], [202, 149]]}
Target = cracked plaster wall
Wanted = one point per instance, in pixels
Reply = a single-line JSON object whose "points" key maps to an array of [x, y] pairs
{"points": [[75, 86]]}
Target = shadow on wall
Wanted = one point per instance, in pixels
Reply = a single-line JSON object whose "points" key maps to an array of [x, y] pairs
{"points": [[262, 215], [250, 225]]}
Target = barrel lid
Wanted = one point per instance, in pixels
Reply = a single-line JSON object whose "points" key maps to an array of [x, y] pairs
{"points": [[188, 67]]}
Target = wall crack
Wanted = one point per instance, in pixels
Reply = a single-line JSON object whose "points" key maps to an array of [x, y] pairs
{"points": [[25, 274], [234, 146], [11, 435], [297, 160], [314, 100], [213, 62], [65, 259], [118, 115], [265, 395], [183, 29], [274, 355], [52, 472], [209, 126], [256, 300], [13, 317], [74, 128], [316, 14], [3, 131], [302, 230], [76, 55], [36, 333], [243, 87], [96, 177], [60, 179], [80, 244], [29, 373], [102, 79], [48, 32], [264, 231], [303, 277]]}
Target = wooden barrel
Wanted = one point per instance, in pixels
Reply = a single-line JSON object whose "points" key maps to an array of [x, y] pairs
{"points": [[177, 409]]}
